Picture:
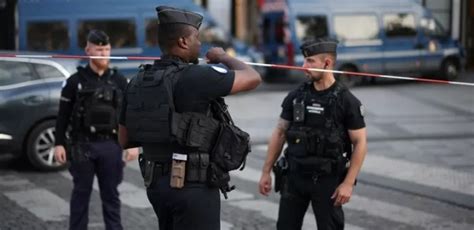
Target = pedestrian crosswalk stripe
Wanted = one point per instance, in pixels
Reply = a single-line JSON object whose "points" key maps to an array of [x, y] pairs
{"points": [[270, 210], [44, 204], [226, 225], [130, 194], [372, 207], [402, 214], [423, 174], [428, 175]]}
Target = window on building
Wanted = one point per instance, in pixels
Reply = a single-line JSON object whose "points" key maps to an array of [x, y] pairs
{"points": [[121, 32], [151, 32], [311, 27], [47, 71], [399, 25], [47, 36], [14, 72], [356, 27]]}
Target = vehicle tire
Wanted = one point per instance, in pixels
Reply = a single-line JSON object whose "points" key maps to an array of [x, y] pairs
{"points": [[40, 147], [349, 80], [450, 70]]}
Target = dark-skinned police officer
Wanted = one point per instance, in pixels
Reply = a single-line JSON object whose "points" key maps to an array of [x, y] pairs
{"points": [[323, 125], [89, 106], [172, 100]]}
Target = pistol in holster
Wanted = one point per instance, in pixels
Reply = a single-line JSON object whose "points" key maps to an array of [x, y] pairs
{"points": [[77, 152], [280, 169]]}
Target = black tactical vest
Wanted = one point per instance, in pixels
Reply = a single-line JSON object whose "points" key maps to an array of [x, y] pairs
{"points": [[317, 129], [151, 115], [97, 104]]}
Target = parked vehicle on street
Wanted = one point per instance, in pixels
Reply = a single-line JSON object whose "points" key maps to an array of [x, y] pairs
{"points": [[62, 26], [29, 102], [376, 36]]}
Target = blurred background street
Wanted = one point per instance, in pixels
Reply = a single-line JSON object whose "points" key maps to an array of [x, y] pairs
{"points": [[419, 170]]}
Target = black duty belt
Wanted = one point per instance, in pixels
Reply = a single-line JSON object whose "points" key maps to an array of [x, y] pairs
{"points": [[162, 169]]}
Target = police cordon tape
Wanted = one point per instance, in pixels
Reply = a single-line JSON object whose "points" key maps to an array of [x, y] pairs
{"points": [[63, 56]]}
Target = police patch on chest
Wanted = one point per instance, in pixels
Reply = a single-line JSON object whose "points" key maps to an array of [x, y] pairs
{"points": [[219, 69], [315, 108]]}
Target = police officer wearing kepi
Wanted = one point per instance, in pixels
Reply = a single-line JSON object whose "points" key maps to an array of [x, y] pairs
{"points": [[89, 108], [167, 111], [323, 125]]}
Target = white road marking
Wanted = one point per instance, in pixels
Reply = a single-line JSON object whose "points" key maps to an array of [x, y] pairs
{"points": [[130, 194], [42, 203], [428, 175]]}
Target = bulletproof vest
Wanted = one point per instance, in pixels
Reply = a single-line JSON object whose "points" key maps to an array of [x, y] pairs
{"points": [[151, 115], [317, 128], [97, 103]]}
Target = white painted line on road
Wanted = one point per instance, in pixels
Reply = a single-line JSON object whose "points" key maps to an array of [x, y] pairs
{"points": [[417, 173], [42, 203], [14, 182], [402, 214], [372, 207], [428, 175], [130, 194], [226, 225]]}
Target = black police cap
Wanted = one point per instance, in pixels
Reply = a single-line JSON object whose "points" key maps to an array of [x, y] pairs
{"points": [[98, 37], [170, 15], [312, 47]]}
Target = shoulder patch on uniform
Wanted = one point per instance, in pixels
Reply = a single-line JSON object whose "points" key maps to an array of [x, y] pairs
{"points": [[219, 69], [362, 110]]}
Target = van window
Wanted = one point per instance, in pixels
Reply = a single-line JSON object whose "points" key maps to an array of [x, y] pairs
{"points": [[151, 32], [356, 27], [399, 25], [121, 32], [47, 71], [311, 27], [14, 72], [47, 36], [432, 27]]}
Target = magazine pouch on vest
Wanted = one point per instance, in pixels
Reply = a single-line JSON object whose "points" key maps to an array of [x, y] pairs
{"points": [[232, 144], [151, 115], [95, 111]]}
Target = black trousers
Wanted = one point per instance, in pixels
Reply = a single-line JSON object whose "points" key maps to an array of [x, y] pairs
{"points": [[195, 206], [104, 159], [296, 197]]}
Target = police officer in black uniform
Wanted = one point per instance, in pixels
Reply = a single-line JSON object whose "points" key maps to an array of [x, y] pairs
{"points": [[90, 100], [167, 111], [323, 125]]}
